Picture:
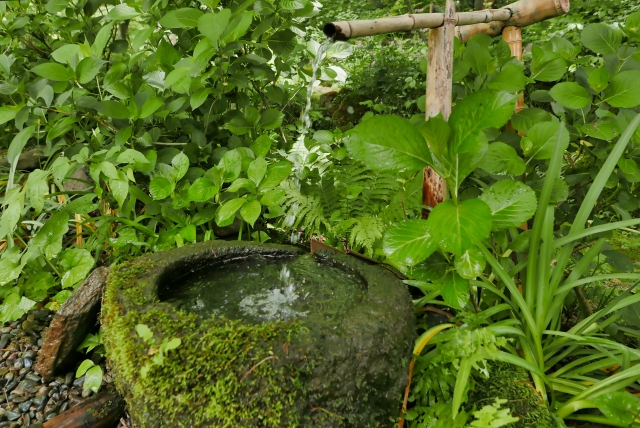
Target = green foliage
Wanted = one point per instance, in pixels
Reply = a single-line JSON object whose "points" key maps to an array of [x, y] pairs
{"points": [[92, 375], [157, 123]]}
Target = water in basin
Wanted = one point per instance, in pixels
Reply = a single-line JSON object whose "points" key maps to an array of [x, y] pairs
{"points": [[267, 288]]}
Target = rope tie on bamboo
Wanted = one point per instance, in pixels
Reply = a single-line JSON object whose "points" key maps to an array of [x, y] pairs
{"points": [[413, 18]]}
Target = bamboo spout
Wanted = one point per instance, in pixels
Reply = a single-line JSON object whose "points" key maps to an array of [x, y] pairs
{"points": [[490, 21]]}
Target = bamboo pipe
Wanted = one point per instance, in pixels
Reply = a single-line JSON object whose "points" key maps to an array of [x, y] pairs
{"points": [[490, 21]]}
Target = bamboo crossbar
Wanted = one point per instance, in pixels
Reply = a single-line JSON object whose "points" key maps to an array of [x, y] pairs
{"points": [[490, 21]]}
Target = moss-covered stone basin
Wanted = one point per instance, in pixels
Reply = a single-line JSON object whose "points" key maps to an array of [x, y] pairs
{"points": [[320, 364]]}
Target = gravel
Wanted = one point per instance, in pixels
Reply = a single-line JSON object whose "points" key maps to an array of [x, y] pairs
{"points": [[24, 398]]}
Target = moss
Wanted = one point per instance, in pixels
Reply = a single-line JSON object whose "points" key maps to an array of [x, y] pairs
{"points": [[229, 374], [512, 383]]}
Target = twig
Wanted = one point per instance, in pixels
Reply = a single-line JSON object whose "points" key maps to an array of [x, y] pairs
{"points": [[272, 357]]}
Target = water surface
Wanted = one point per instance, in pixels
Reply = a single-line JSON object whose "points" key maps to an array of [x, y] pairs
{"points": [[267, 288]]}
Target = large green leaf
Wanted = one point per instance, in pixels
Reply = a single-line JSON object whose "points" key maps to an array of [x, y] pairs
{"points": [[570, 95], [624, 90], [545, 67], [541, 140], [181, 18], [88, 69], [601, 38], [477, 112], [620, 407], [52, 71], [511, 202], [14, 306], [112, 109], [501, 158], [76, 263], [101, 40], [228, 210], [48, 240], [409, 242], [257, 170], [510, 79], [388, 143], [470, 264], [122, 12], [276, 173], [455, 290], [271, 119], [283, 42], [212, 25], [528, 117], [436, 132], [160, 188], [457, 228], [17, 144], [599, 79], [37, 188], [202, 190], [8, 113], [150, 106], [64, 54], [250, 212]]}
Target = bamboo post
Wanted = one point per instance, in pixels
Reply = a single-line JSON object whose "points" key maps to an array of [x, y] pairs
{"points": [[439, 90], [513, 36]]}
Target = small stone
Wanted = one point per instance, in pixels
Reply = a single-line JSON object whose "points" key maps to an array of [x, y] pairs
{"points": [[15, 332], [68, 379], [11, 386], [33, 376], [31, 317], [26, 325], [4, 340], [42, 313], [43, 391], [74, 400], [9, 376], [55, 397], [27, 420], [79, 381], [30, 355], [24, 386], [19, 363], [17, 399], [11, 415], [24, 371], [64, 407], [24, 407], [39, 416]]}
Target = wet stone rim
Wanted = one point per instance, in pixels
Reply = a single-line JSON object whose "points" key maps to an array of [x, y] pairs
{"points": [[346, 371]]}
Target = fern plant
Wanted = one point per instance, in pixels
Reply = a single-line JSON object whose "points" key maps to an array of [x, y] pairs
{"points": [[344, 201]]}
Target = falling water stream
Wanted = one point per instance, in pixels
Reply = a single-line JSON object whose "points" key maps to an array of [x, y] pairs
{"points": [[306, 125]]}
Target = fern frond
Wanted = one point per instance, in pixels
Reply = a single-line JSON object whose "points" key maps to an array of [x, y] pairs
{"points": [[303, 210], [363, 232]]}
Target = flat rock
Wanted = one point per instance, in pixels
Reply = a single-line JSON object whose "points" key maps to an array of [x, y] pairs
{"points": [[71, 323], [79, 181]]}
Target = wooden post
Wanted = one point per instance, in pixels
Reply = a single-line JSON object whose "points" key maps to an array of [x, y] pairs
{"points": [[439, 90]]}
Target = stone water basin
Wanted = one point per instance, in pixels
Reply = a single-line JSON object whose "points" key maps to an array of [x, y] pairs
{"points": [[270, 336]]}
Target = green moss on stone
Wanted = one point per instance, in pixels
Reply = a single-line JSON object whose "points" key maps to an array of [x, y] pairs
{"points": [[512, 383], [226, 373]]}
